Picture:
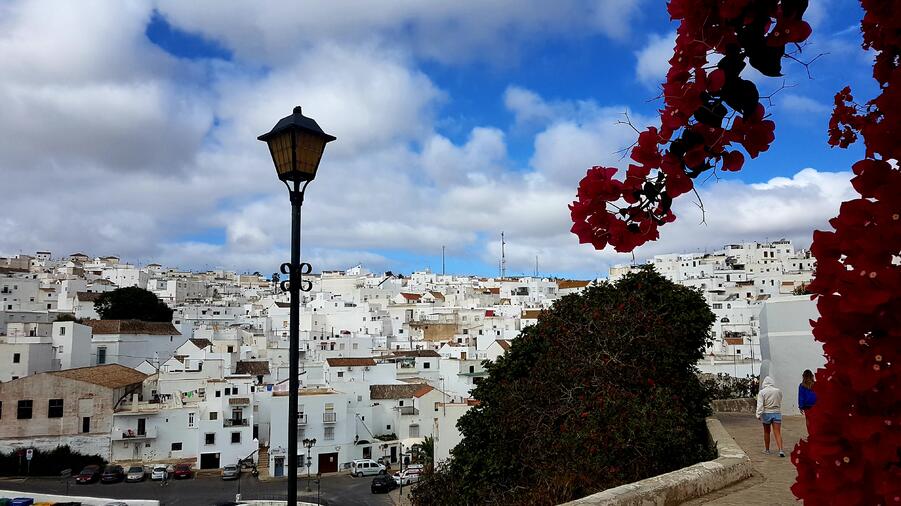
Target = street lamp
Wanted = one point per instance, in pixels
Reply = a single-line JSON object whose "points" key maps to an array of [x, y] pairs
{"points": [[309, 444], [296, 144]]}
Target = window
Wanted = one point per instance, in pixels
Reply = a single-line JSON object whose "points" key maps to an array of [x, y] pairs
{"points": [[55, 408], [414, 430], [209, 438], [85, 424], [17, 357], [400, 403], [62, 331], [231, 349], [176, 447], [101, 355], [190, 420], [218, 394], [329, 433], [340, 374], [436, 405], [426, 365], [388, 427], [236, 437], [1, 409], [24, 410], [329, 406]]}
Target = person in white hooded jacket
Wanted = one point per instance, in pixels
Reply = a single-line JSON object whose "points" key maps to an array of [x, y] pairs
{"points": [[769, 411]]}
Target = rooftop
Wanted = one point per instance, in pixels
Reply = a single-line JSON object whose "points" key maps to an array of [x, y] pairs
{"points": [[350, 362], [403, 391], [132, 327], [108, 375]]}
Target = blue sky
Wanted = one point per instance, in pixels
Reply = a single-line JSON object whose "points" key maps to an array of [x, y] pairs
{"points": [[455, 121]]}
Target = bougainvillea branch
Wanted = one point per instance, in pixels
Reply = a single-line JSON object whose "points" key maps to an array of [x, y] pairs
{"points": [[709, 110], [853, 452]]}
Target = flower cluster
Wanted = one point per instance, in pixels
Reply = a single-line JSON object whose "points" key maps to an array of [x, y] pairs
{"points": [[853, 452], [709, 109]]}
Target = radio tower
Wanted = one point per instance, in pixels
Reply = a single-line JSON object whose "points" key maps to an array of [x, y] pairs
{"points": [[503, 258]]}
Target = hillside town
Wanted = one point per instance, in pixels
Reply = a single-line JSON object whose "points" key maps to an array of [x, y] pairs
{"points": [[386, 360]]}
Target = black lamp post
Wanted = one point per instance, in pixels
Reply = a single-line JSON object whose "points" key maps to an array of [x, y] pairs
{"points": [[309, 444], [296, 143]]}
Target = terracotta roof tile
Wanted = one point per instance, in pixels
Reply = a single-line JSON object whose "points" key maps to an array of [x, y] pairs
{"points": [[350, 361], [201, 343], [252, 367], [531, 314], [108, 375], [564, 284], [132, 327], [405, 391], [505, 344], [415, 353], [424, 389], [411, 296], [87, 296]]}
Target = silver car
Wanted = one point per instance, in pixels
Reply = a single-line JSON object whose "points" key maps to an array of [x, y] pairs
{"points": [[135, 473], [231, 472]]}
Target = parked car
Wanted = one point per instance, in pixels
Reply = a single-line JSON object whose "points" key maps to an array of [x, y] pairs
{"points": [[135, 473], [112, 474], [89, 474], [366, 467], [159, 472], [182, 471], [408, 476], [383, 483], [231, 472]]}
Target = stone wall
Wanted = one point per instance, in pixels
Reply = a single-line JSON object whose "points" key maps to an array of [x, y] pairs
{"points": [[745, 405], [676, 487], [84, 444]]}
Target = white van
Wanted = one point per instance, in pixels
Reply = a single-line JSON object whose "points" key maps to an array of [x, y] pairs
{"points": [[366, 467]]}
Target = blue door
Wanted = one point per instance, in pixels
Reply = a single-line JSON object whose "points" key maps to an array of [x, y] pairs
{"points": [[279, 466]]}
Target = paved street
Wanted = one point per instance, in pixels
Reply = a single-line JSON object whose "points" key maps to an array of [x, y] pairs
{"points": [[336, 490], [772, 475]]}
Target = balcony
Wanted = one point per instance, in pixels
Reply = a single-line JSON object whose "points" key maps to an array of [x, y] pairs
{"points": [[329, 417], [239, 401], [133, 435], [408, 410], [235, 422]]}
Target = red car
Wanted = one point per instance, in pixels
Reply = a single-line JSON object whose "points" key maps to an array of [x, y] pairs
{"points": [[183, 471], [89, 474]]}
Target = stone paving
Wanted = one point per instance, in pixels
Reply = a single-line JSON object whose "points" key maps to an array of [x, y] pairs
{"points": [[772, 475]]}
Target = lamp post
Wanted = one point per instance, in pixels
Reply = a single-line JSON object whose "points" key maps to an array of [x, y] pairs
{"points": [[296, 144], [309, 444]]}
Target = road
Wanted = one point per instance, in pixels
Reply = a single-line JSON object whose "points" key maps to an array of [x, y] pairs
{"points": [[336, 490]]}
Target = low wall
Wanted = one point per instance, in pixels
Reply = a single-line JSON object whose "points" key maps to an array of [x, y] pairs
{"points": [[744, 405], [675, 487], [85, 501]]}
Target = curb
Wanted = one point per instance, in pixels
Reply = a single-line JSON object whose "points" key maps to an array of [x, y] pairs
{"points": [[731, 466]]}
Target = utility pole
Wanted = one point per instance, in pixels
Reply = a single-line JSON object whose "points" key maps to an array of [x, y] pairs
{"points": [[442, 261], [503, 258]]}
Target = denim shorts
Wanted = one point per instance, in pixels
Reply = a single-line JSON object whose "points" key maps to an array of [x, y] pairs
{"points": [[769, 418]]}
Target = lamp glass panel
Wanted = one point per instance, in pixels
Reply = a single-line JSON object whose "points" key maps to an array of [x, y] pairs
{"points": [[280, 147], [309, 151]]}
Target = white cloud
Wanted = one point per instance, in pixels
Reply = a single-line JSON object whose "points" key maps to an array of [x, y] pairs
{"points": [[109, 145], [653, 59], [801, 108], [442, 31]]}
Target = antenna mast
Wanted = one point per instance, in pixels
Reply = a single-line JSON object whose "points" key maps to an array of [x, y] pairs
{"points": [[503, 258], [442, 261]]}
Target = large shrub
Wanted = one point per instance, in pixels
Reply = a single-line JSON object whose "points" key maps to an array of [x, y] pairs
{"points": [[601, 392], [46, 463], [132, 303]]}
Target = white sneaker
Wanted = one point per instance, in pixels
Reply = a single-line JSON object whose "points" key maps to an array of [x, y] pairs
{"points": [[767, 452]]}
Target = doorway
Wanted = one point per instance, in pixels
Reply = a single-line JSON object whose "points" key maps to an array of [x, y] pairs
{"points": [[209, 461], [142, 427], [328, 462], [279, 466]]}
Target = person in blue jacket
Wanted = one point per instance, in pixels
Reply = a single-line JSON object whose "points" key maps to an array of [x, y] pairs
{"points": [[807, 398]]}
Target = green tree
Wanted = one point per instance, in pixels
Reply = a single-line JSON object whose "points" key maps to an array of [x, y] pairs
{"points": [[132, 303], [601, 392]]}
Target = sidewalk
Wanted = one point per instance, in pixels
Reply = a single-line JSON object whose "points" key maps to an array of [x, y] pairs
{"points": [[772, 475]]}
